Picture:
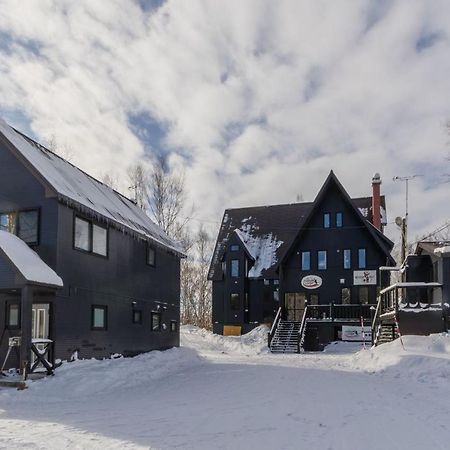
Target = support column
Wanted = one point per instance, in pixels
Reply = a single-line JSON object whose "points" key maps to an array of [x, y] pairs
{"points": [[26, 306]]}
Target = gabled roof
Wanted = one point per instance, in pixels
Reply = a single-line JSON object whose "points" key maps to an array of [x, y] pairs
{"points": [[26, 262], [80, 190], [271, 231], [430, 247]]}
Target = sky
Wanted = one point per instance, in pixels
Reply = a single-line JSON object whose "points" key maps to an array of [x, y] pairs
{"points": [[255, 101]]}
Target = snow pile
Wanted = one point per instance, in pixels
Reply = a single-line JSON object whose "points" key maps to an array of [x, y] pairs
{"points": [[442, 250], [26, 261], [263, 249], [83, 378], [252, 343], [425, 358]]}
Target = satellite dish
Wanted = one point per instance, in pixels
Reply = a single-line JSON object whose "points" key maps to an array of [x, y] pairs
{"points": [[398, 221]]}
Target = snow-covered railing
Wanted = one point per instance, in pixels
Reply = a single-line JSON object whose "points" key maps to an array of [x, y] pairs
{"points": [[301, 332], [338, 312], [274, 326]]}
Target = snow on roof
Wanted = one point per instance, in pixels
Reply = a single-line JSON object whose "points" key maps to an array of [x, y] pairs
{"points": [[444, 249], [75, 186], [262, 248], [27, 261]]}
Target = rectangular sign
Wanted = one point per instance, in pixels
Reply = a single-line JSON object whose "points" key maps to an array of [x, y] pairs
{"points": [[354, 333], [364, 277]]}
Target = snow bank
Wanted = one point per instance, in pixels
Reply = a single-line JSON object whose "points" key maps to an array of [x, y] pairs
{"points": [[252, 343], [84, 378], [425, 358]]}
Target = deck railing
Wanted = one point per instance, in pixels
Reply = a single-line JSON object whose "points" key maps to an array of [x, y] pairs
{"points": [[333, 312], [274, 326]]}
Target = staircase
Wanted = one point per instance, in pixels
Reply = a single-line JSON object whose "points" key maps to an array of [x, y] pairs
{"points": [[386, 333], [286, 337]]}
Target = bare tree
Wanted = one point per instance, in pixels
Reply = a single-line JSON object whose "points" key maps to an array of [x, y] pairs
{"points": [[64, 150], [138, 178], [110, 180]]}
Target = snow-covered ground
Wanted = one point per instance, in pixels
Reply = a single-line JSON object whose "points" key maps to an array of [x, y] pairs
{"points": [[229, 392]]}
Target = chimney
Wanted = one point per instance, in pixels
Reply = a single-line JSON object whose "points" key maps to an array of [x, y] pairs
{"points": [[376, 201]]}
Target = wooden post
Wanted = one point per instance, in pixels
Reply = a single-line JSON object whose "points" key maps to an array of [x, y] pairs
{"points": [[26, 307]]}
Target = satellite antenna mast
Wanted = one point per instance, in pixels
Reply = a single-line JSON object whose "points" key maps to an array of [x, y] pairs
{"points": [[402, 222]]}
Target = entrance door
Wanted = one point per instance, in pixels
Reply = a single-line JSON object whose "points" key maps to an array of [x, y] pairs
{"points": [[40, 324], [295, 305]]}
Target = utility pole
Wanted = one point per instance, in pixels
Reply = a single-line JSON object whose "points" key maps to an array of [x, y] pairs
{"points": [[402, 222]]}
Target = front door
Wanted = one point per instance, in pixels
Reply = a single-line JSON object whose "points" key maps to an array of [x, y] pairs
{"points": [[40, 324], [295, 305]]}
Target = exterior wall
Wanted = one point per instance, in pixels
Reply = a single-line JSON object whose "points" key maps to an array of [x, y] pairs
{"points": [[419, 268], [353, 235], [116, 281]]}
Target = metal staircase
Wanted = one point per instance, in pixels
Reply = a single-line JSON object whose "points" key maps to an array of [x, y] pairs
{"points": [[286, 337]]}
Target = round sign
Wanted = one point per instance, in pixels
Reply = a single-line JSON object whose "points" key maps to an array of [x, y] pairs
{"points": [[311, 282]]}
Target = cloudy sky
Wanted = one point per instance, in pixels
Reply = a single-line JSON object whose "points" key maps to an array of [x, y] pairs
{"points": [[255, 100]]}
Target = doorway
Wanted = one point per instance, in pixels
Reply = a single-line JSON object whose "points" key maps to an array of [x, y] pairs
{"points": [[40, 325], [295, 305]]}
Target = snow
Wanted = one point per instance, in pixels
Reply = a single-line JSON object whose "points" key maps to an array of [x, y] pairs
{"points": [[230, 392], [263, 249], [442, 250], [27, 261], [74, 185]]}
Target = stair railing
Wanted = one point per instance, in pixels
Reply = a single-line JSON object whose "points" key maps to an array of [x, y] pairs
{"points": [[301, 331], [376, 321], [274, 326]]}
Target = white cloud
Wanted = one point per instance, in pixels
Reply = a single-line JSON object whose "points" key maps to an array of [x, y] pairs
{"points": [[262, 97]]}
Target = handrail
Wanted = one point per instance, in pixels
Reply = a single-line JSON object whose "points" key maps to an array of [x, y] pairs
{"points": [[302, 329], [274, 326]]}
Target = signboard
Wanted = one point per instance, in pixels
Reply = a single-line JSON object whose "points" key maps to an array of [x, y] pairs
{"points": [[354, 333], [311, 282], [364, 277]]}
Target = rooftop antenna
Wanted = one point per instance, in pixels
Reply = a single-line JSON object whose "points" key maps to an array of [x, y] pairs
{"points": [[402, 222]]}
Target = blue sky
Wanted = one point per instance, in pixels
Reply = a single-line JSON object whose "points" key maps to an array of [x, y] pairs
{"points": [[254, 101]]}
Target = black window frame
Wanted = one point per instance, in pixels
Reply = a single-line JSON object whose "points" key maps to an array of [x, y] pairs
{"points": [[152, 328], [173, 329], [150, 248], [8, 316], [328, 215], [365, 258], [17, 213], [105, 317], [238, 268], [234, 248], [318, 260], [133, 317], [309, 260], [341, 223], [235, 305], [344, 260], [91, 224]]}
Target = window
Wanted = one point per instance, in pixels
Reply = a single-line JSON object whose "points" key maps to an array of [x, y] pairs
{"points": [[266, 282], [151, 256], [99, 317], [326, 220], [276, 282], [234, 302], [306, 260], [361, 258], [235, 268], [322, 259], [363, 295], [276, 296], [137, 316], [234, 248], [24, 224], [224, 268], [314, 299], [13, 316], [339, 219], [156, 321], [82, 235], [90, 237], [347, 258], [173, 326], [345, 296]]}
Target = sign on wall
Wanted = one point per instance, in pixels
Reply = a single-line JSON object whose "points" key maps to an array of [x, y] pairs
{"points": [[355, 333], [311, 282], [363, 277]]}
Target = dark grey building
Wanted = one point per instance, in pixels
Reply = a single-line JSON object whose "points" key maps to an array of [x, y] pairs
{"points": [[120, 289], [309, 267]]}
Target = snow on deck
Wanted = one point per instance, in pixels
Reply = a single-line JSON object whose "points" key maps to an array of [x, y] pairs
{"points": [[73, 184], [27, 261]]}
